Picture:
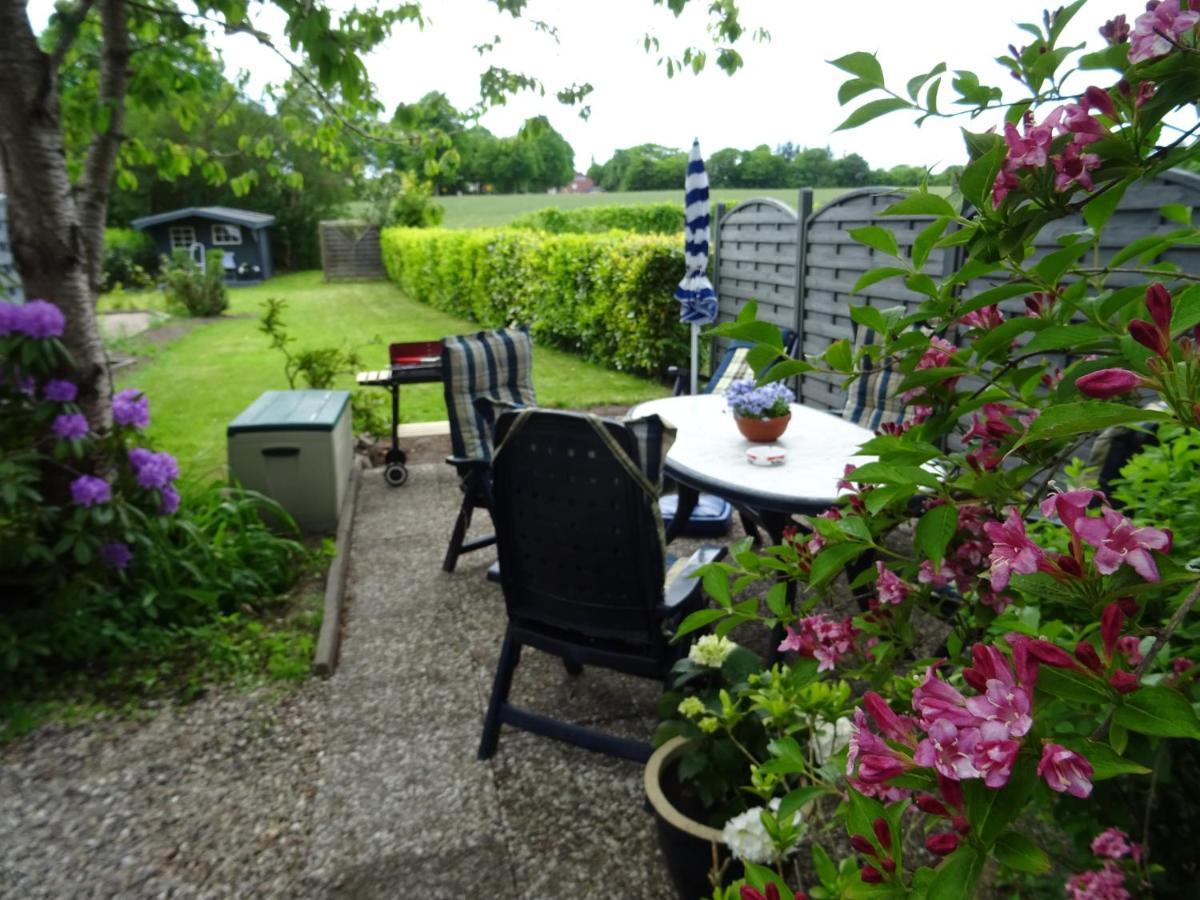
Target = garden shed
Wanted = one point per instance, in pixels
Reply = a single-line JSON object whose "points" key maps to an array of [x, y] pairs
{"points": [[239, 235]]}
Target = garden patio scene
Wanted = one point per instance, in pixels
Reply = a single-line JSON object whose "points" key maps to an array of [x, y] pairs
{"points": [[390, 509]]}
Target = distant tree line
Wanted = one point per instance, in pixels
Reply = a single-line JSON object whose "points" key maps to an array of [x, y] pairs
{"points": [[654, 167]]}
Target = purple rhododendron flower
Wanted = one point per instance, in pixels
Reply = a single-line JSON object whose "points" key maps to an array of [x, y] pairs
{"points": [[57, 390], [131, 407], [170, 500], [116, 555], [40, 319], [88, 490], [70, 426], [154, 470]]}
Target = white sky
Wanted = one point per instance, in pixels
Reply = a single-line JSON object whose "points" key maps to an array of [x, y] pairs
{"points": [[785, 92]]}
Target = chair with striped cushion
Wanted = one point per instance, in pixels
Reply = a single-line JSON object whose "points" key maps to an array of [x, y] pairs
{"points": [[480, 371], [582, 563]]}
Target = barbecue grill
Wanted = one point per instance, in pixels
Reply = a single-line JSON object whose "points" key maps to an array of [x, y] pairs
{"points": [[414, 362]]}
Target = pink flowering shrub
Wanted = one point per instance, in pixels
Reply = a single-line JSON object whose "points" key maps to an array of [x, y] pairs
{"points": [[1060, 684]]}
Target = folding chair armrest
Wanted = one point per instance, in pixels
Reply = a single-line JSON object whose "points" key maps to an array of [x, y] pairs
{"points": [[465, 464], [685, 588], [680, 377]]}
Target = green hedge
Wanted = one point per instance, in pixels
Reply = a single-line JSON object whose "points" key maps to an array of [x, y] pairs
{"points": [[642, 218], [606, 297]]}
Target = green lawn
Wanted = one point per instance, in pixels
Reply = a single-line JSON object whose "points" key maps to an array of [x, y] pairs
{"points": [[199, 381]]}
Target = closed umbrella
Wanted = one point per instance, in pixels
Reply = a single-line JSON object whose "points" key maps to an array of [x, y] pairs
{"points": [[695, 292]]}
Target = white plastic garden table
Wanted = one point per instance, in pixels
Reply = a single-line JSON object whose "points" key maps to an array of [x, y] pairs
{"points": [[709, 456]]}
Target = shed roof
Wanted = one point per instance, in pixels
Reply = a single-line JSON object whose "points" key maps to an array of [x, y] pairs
{"points": [[252, 220]]}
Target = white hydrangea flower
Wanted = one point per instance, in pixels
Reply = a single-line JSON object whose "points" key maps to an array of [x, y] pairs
{"points": [[747, 838], [829, 738], [711, 650]]}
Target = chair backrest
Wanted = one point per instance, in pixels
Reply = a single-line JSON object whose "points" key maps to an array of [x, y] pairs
{"points": [[578, 531], [874, 398], [494, 366], [734, 366]]}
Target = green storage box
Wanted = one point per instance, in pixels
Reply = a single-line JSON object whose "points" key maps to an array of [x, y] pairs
{"points": [[297, 448]]}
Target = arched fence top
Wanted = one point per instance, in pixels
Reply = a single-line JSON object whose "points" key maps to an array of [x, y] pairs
{"points": [[755, 205]]}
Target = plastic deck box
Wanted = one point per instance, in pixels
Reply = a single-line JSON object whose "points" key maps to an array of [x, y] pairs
{"points": [[296, 447]]}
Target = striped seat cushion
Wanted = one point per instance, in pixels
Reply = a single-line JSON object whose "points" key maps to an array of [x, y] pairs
{"points": [[735, 366], [873, 398], [496, 365]]}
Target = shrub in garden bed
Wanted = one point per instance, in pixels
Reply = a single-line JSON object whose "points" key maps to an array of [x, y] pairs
{"points": [[1059, 711], [100, 554], [606, 297], [130, 259]]}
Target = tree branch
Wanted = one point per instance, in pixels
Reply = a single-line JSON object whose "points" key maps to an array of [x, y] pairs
{"points": [[69, 22]]}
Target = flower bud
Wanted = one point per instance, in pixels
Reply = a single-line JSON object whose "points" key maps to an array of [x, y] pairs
{"points": [[870, 875], [1128, 606], [1149, 337], [1180, 664], [883, 832], [961, 825], [1098, 99], [889, 866], [1050, 654], [1086, 654], [1068, 565], [862, 844], [1123, 682], [942, 844], [930, 804], [1111, 621], [1107, 383], [1158, 304]]}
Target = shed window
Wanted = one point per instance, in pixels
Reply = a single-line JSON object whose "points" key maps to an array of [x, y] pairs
{"points": [[226, 235], [182, 237]]}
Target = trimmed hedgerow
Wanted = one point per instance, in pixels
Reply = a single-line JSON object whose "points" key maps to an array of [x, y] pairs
{"points": [[607, 297], [640, 218]]}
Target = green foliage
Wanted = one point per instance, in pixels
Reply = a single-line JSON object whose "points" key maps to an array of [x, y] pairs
{"points": [[130, 259], [193, 290], [1160, 487], [649, 218], [400, 198], [319, 367], [606, 297]]}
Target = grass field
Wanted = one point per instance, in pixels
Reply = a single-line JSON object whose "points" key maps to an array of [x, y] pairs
{"points": [[199, 380]]}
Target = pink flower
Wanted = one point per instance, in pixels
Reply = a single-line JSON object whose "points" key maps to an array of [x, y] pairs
{"points": [[984, 319], [895, 727], [1074, 167], [994, 425], [1156, 29], [1118, 541], [1076, 121], [1101, 884], [949, 749], [991, 665], [1113, 843], [1006, 180], [1130, 646], [821, 638], [939, 578], [1107, 383], [1065, 771], [844, 484], [1008, 704], [1070, 506], [876, 761], [995, 754], [935, 700], [1030, 150], [1145, 91], [1012, 551], [889, 586]]}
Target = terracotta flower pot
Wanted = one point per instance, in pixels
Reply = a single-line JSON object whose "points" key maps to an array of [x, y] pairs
{"points": [[762, 431]]}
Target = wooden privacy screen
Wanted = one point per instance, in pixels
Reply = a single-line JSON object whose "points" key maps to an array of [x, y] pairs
{"points": [[350, 249], [802, 266]]}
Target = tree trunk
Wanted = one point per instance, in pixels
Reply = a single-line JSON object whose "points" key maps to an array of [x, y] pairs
{"points": [[47, 227]]}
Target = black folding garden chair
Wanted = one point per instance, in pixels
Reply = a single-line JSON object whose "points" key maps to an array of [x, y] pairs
{"points": [[480, 372], [581, 560]]}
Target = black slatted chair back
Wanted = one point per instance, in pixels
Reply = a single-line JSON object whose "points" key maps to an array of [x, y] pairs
{"points": [[579, 540]]}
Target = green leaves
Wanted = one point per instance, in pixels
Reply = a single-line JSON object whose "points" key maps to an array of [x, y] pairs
{"points": [[935, 530], [1018, 852], [957, 875], [880, 239], [1158, 711], [864, 65], [1066, 419], [872, 110]]}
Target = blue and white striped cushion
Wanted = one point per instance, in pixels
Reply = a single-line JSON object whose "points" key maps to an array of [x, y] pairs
{"points": [[873, 398], [654, 439], [494, 364]]}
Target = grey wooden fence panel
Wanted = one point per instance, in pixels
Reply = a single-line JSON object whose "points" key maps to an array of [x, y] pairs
{"points": [[350, 250], [833, 264], [10, 282]]}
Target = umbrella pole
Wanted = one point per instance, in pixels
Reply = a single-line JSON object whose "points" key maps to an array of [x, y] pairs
{"points": [[695, 355]]}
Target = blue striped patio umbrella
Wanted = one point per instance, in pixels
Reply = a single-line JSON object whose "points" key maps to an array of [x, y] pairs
{"points": [[695, 292]]}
